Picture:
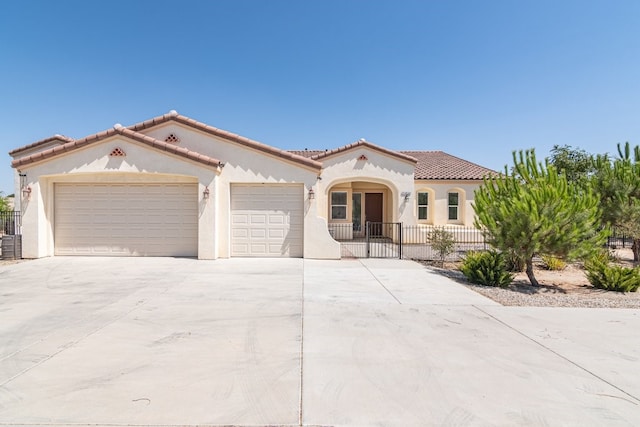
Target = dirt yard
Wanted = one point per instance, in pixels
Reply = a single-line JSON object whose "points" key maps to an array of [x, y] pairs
{"points": [[566, 288]]}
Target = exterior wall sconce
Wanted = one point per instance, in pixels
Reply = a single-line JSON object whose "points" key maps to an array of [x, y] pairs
{"points": [[406, 195], [25, 189], [205, 193], [312, 194]]}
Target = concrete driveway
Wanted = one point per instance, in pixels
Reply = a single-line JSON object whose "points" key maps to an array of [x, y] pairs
{"points": [[160, 341]]}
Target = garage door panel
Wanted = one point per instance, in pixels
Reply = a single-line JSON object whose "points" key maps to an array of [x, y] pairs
{"points": [[126, 219], [266, 220], [258, 233], [259, 219]]}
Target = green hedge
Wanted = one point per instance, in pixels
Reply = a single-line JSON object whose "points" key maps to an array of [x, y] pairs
{"points": [[486, 268], [612, 277]]}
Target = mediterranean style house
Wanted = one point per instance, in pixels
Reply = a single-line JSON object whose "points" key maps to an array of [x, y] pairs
{"points": [[173, 186]]}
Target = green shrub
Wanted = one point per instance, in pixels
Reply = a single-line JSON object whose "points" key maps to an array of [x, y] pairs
{"points": [[553, 263], [443, 242], [612, 277], [486, 268]]}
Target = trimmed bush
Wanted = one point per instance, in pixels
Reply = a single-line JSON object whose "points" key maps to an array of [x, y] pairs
{"points": [[553, 263], [443, 242], [612, 277], [486, 268]]}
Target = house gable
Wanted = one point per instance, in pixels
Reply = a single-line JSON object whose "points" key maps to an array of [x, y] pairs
{"points": [[362, 144], [116, 131], [160, 128]]}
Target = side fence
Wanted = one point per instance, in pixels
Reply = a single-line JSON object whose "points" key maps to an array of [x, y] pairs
{"points": [[417, 244], [10, 222], [396, 240]]}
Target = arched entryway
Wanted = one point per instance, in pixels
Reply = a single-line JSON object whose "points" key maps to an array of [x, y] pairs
{"points": [[352, 203]]}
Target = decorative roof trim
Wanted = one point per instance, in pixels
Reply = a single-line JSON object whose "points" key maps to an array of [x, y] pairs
{"points": [[362, 143], [62, 138], [250, 143], [115, 131]]}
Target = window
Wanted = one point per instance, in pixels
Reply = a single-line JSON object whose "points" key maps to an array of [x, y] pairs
{"points": [[339, 205], [453, 205], [423, 205]]}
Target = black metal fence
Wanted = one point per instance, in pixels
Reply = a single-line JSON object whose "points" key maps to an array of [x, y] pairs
{"points": [[418, 242], [10, 222], [617, 240], [395, 240]]}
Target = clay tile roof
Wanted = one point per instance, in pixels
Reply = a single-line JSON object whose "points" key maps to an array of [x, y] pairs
{"points": [[116, 130], [440, 165], [436, 165], [363, 143], [307, 153], [174, 116], [61, 139]]}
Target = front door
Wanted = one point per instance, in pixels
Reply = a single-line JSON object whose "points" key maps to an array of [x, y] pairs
{"points": [[373, 212]]}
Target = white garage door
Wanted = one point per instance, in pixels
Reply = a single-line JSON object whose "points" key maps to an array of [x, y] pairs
{"points": [[126, 219], [266, 220]]}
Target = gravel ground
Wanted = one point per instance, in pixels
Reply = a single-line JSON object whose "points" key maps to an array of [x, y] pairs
{"points": [[523, 294]]}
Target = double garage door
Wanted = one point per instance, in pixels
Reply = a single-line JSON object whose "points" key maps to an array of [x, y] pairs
{"points": [[266, 220], [162, 220], [126, 219]]}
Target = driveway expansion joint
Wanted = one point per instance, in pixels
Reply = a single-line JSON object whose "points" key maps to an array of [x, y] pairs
{"points": [[635, 401]]}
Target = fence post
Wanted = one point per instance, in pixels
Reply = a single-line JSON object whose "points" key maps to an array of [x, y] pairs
{"points": [[367, 238], [401, 237]]}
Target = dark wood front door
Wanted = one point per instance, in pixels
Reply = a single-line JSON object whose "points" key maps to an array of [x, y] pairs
{"points": [[373, 211]]}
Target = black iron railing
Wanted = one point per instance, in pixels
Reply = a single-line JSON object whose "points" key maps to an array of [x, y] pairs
{"points": [[10, 222], [395, 240]]}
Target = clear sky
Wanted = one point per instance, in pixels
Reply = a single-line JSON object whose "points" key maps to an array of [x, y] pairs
{"points": [[477, 79]]}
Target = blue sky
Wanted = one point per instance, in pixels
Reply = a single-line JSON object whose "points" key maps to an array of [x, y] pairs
{"points": [[477, 79]]}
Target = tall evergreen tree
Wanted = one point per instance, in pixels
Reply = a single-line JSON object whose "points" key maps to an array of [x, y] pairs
{"points": [[535, 210], [617, 183]]}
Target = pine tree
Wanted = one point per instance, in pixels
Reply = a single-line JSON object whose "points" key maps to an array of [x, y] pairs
{"points": [[617, 183], [534, 210]]}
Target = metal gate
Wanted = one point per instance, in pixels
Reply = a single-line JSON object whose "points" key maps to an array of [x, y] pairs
{"points": [[379, 240]]}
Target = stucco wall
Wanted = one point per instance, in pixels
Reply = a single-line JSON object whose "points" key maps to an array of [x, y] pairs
{"points": [[438, 200], [381, 170], [94, 165], [144, 164], [246, 165]]}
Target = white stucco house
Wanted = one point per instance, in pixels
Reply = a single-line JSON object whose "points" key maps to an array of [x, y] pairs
{"points": [[173, 186]]}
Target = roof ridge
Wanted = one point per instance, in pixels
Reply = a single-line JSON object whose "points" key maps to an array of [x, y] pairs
{"points": [[56, 137], [242, 140], [363, 142]]}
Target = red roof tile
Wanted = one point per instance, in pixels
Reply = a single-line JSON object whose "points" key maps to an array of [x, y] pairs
{"points": [[362, 143], [116, 130], [435, 165], [61, 139], [439, 165]]}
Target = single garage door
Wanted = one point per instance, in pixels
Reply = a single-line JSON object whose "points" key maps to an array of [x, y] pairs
{"points": [[126, 219], [266, 220]]}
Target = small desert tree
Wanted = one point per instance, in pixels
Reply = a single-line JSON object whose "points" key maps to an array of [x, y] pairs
{"points": [[575, 163], [534, 210], [443, 242]]}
